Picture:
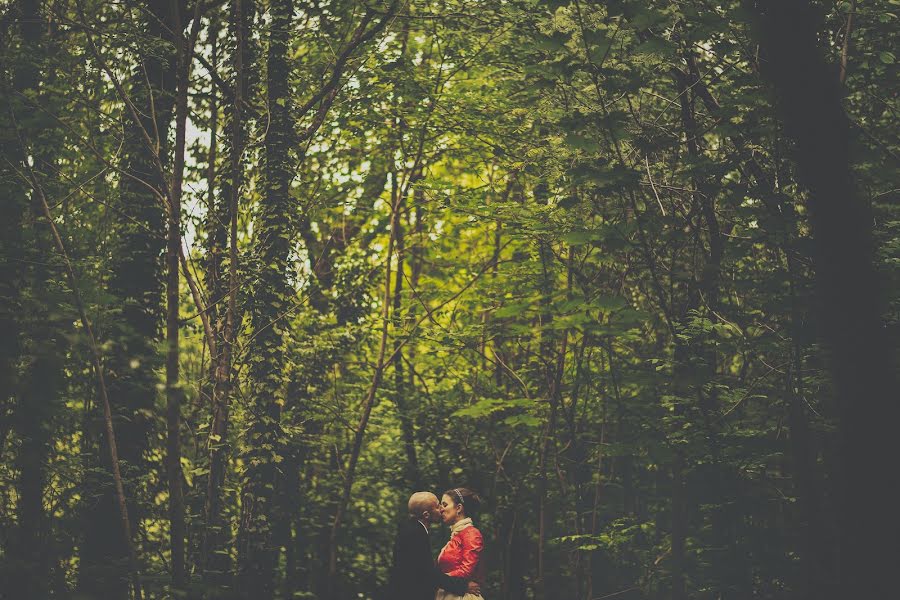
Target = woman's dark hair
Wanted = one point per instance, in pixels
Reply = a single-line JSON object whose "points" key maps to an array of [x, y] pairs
{"points": [[470, 500]]}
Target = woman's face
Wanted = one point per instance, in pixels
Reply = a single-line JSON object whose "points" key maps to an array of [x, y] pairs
{"points": [[451, 512]]}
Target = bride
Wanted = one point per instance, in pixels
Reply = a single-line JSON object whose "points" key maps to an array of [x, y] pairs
{"points": [[461, 557]]}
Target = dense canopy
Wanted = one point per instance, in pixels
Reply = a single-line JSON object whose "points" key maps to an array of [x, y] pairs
{"points": [[630, 270]]}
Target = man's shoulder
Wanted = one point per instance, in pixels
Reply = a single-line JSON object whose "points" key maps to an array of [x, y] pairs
{"points": [[412, 527], [412, 539]]}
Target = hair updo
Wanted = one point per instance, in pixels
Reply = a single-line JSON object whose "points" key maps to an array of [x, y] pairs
{"points": [[470, 500]]}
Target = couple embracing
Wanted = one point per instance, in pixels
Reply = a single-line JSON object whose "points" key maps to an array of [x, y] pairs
{"points": [[458, 572]]}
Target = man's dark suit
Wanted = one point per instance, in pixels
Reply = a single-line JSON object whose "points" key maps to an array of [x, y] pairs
{"points": [[414, 575]]}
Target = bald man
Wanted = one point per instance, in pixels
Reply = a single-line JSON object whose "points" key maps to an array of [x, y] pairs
{"points": [[414, 575]]}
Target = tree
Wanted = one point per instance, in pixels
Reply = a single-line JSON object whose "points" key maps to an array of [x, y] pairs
{"points": [[269, 310], [851, 303], [216, 557], [136, 282], [40, 311]]}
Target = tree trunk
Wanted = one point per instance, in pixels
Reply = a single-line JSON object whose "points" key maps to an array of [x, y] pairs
{"points": [[136, 281], [217, 560], [174, 392], [12, 240], [678, 527], [727, 565], [41, 344], [124, 524], [862, 362], [404, 409], [216, 248], [38, 401], [368, 403], [270, 317]]}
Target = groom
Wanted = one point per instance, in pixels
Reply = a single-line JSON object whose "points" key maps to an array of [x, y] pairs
{"points": [[414, 575]]}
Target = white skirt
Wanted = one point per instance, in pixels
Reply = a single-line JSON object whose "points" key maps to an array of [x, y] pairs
{"points": [[442, 595]]}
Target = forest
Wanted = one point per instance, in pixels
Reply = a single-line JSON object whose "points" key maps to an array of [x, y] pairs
{"points": [[628, 269]]}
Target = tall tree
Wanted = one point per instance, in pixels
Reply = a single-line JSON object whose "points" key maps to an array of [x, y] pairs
{"points": [[40, 313], [851, 300], [224, 289], [184, 51], [136, 282], [14, 83], [269, 312]]}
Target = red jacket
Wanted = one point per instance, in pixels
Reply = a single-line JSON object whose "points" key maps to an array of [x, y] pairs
{"points": [[461, 557]]}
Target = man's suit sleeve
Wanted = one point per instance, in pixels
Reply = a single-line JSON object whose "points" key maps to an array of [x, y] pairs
{"points": [[429, 571], [454, 585]]}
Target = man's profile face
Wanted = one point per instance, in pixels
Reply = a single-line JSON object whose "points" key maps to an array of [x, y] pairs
{"points": [[434, 510]]}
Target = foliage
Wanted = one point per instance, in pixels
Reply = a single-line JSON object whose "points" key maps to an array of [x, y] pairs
{"points": [[599, 304]]}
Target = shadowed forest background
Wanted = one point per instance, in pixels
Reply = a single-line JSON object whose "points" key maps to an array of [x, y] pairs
{"points": [[629, 269]]}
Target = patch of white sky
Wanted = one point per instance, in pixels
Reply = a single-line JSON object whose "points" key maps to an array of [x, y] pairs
{"points": [[196, 190]]}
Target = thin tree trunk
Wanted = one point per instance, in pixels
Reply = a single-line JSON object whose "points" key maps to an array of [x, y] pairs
{"points": [[217, 220], [497, 346], [678, 527], [11, 286], [217, 560], [368, 402], [39, 397], [174, 393], [216, 227], [729, 570], [598, 489], [416, 263], [404, 410], [817, 576], [845, 49], [553, 361]]}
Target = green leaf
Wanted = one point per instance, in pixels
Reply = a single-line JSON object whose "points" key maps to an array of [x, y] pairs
{"points": [[487, 406], [577, 238], [580, 142], [511, 310], [522, 420], [608, 303], [552, 43], [655, 47]]}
